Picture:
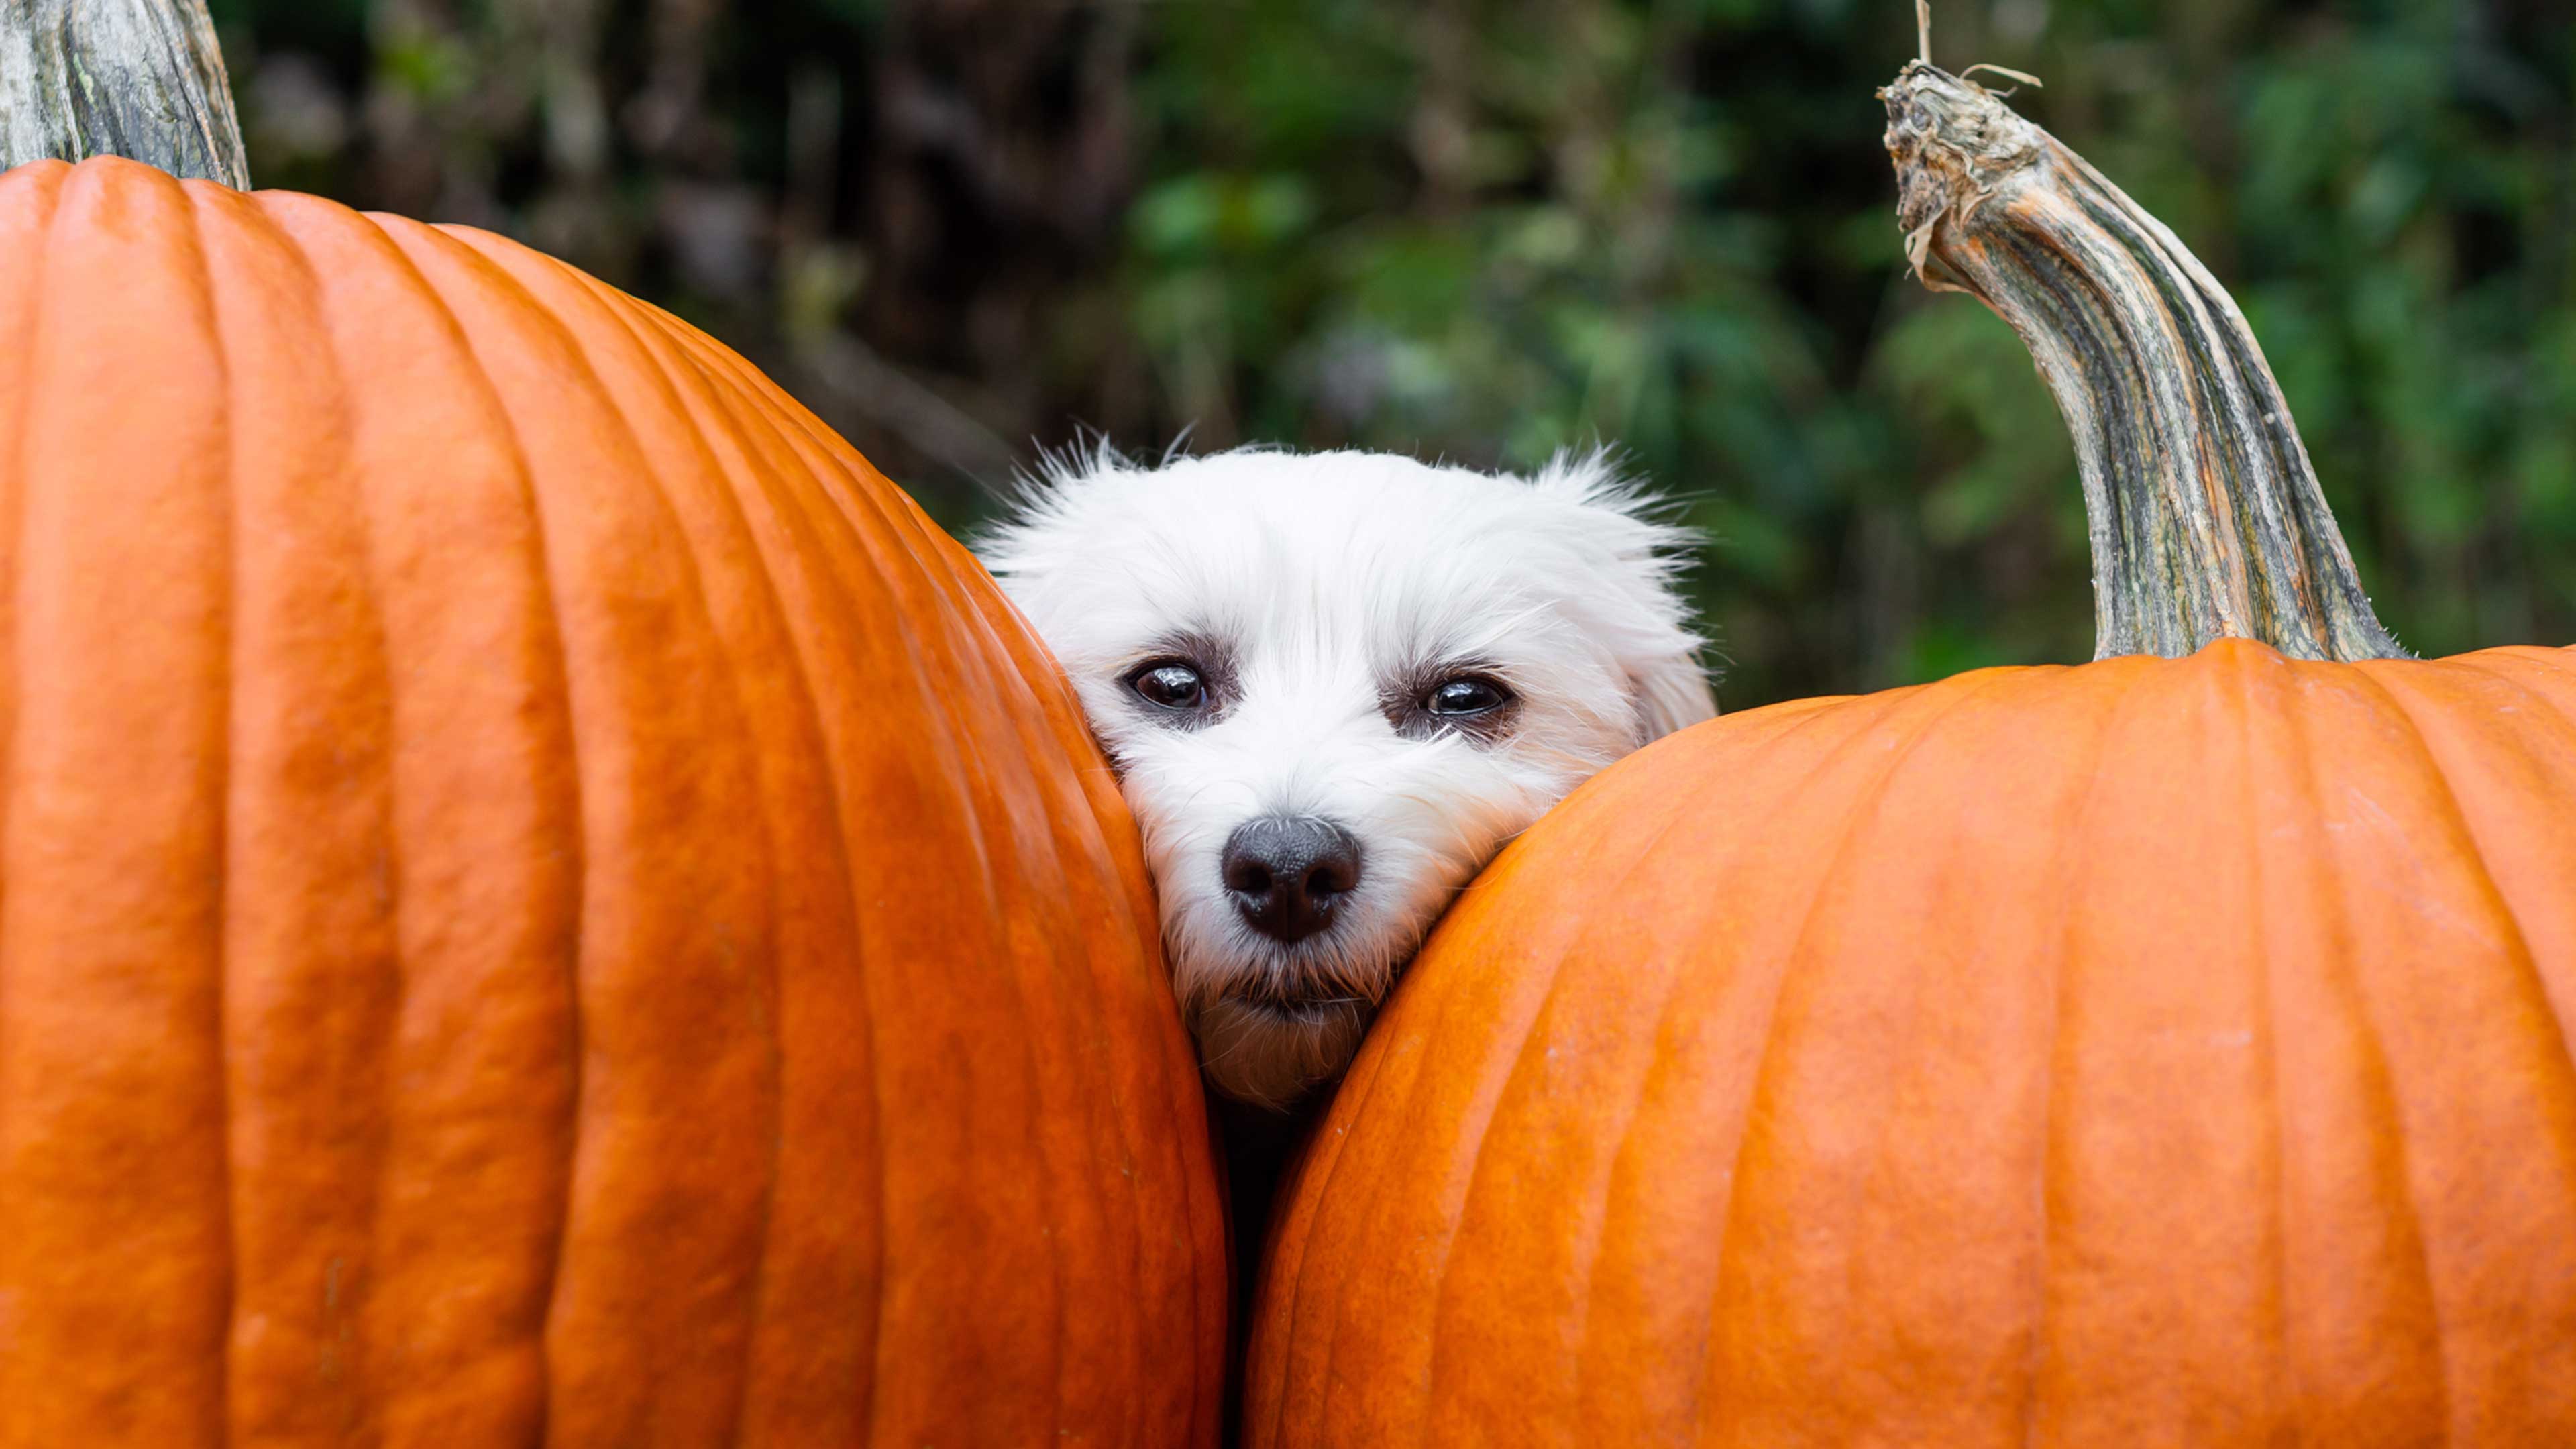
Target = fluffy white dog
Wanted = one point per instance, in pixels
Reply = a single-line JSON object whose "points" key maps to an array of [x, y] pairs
{"points": [[1333, 685]]}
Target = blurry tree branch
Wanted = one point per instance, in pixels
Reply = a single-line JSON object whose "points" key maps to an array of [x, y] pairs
{"points": [[1001, 170], [854, 380]]}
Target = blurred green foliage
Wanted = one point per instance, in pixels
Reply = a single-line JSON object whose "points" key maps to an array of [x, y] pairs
{"points": [[1487, 229]]}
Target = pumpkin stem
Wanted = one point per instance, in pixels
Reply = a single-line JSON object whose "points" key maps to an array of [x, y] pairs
{"points": [[137, 78], [2206, 518]]}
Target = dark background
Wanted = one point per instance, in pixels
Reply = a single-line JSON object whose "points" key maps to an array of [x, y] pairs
{"points": [[1488, 228]]}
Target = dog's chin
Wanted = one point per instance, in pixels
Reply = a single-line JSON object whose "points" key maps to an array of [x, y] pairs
{"points": [[1271, 1054]]}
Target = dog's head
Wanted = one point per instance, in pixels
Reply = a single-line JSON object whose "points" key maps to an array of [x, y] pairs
{"points": [[1333, 685]]}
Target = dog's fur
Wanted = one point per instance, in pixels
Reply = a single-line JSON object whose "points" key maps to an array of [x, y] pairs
{"points": [[1322, 595]]}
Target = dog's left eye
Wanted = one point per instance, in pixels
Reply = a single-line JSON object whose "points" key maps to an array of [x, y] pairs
{"points": [[1469, 694], [1170, 685]]}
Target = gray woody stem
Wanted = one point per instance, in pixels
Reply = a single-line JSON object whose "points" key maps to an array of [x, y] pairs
{"points": [[2206, 518], [138, 78]]}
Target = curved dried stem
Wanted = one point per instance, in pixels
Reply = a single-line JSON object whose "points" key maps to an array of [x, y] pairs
{"points": [[136, 78], [2207, 521]]}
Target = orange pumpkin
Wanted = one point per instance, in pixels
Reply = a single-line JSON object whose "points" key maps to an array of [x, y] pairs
{"points": [[2146, 1052], [540, 900], [2154, 1051]]}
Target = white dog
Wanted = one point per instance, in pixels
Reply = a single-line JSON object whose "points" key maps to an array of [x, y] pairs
{"points": [[1333, 685]]}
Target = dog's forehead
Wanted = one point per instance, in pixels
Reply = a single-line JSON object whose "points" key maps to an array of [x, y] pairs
{"points": [[1353, 542]]}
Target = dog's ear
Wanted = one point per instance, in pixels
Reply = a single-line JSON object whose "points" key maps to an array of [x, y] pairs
{"points": [[1636, 556], [1670, 694]]}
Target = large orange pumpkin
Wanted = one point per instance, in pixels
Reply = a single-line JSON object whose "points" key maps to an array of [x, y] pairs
{"points": [[540, 900], [2154, 1051], [2146, 1052]]}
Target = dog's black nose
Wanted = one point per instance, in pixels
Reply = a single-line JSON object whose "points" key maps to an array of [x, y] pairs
{"points": [[1287, 873]]}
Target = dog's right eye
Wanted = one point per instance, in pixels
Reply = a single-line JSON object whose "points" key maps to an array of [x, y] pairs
{"points": [[1170, 684]]}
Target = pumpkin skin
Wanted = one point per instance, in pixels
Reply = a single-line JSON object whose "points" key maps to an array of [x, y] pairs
{"points": [[541, 901], [2145, 1052]]}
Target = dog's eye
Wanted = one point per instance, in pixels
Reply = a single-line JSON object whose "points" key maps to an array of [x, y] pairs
{"points": [[1467, 694], [1170, 684]]}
